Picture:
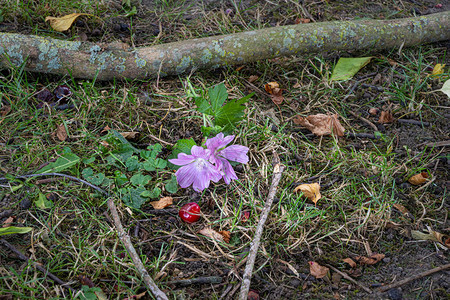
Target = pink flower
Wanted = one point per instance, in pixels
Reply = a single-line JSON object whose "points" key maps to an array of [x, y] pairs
{"points": [[220, 155], [197, 170], [210, 164]]}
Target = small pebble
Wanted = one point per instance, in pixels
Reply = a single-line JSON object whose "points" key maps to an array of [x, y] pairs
{"points": [[395, 294], [25, 204]]}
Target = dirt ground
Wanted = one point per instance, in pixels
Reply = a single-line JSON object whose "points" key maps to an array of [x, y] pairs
{"points": [[404, 257]]}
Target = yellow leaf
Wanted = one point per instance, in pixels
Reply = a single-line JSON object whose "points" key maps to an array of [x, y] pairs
{"points": [[438, 69], [63, 23], [311, 191]]}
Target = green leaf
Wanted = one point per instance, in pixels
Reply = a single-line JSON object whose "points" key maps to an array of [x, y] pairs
{"points": [[63, 162], [217, 96], [132, 197], [43, 202], [151, 194], [132, 163], [171, 185], [88, 161], [140, 180], [14, 230], [120, 178], [203, 106], [153, 164], [89, 175], [446, 88], [211, 131], [232, 112], [347, 67]]}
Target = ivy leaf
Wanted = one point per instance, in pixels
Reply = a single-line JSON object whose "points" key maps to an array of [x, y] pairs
{"points": [[132, 163], [120, 178], [151, 194]]}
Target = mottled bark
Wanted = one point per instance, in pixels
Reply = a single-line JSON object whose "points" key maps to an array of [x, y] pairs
{"points": [[89, 60]]}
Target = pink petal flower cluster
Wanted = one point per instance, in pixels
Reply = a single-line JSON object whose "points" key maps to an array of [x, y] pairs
{"points": [[210, 164]]}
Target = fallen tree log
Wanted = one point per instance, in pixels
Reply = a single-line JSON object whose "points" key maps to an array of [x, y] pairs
{"points": [[104, 62]]}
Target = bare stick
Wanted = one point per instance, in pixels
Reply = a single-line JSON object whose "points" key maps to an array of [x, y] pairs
{"points": [[277, 172], [198, 280], [21, 256], [414, 277], [351, 279], [124, 238]]}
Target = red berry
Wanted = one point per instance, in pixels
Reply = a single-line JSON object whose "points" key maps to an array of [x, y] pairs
{"points": [[190, 212]]}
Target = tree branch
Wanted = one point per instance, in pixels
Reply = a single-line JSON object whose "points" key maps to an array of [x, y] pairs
{"points": [[108, 61]]}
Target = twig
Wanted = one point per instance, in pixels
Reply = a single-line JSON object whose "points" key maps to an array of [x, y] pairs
{"points": [[414, 122], [350, 279], [414, 277], [21, 256], [374, 127], [361, 135], [124, 238], [198, 280], [6, 213], [246, 278]]}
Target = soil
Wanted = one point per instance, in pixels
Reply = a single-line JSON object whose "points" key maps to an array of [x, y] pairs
{"points": [[276, 279]]}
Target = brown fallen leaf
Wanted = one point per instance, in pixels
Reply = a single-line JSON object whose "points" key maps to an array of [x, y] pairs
{"points": [[276, 94], [401, 208], [5, 110], [373, 259], [302, 21], [162, 203], [253, 78], [418, 179], [61, 132], [211, 233], [226, 235], [63, 23], [252, 295], [321, 124], [385, 117], [8, 221], [311, 191], [350, 261], [131, 135], [317, 270]]}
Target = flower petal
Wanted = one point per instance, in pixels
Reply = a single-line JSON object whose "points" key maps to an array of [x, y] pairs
{"points": [[186, 175], [228, 171], [217, 142], [235, 153], [183, 159], [198, 151]]}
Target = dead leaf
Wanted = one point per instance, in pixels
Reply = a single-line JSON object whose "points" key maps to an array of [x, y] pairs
{"points": [[63, 23], [105, 129], [401, 208], [226, 235], [431, 236], [8, 221], [131, 135], [438, 69], [317, 270], [276, 94], [373, 111], [211, 233], [385, 117], [373, 259], [418, 179], [311, 191], [162, 203], [252, 295], [302, 21], [253, 78], [5, 110], [61, 132], [321, 124], [350, 261]]}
